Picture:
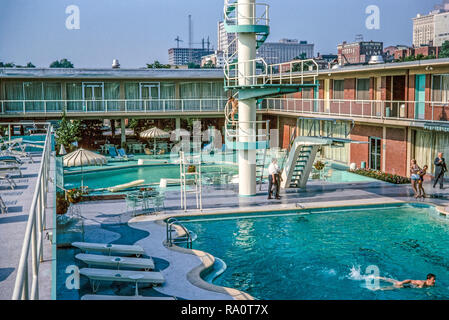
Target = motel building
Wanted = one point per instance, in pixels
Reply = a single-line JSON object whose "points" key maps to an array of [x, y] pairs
{"points": [[396, 111]]}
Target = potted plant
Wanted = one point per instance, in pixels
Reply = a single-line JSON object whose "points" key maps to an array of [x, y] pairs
{"points": [[74, 195], [191, 169], [62, 205], [319, 165]]}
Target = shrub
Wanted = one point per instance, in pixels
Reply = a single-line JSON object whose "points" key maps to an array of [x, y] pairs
{"points": [[379, 175], [62, 205], [319, 165]]}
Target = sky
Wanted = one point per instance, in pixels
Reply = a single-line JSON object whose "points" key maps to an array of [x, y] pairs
{"points": [[137, 32]]}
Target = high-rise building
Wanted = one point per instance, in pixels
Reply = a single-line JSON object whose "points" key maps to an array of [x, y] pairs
{"points": [[183, 56], [285, 50], [358, 52], [431, 29], [226, 40]]}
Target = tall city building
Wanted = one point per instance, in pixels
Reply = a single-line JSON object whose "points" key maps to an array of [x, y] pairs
{"points": [[225, 39], [432, 29], [285, 50], [183, 56], [358, 52]]}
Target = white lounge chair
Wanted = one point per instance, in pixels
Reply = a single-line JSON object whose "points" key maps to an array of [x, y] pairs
{"points": [[10, 168], [146, 277], [107, 297], [118, 262], [110, 248], [6, 177]]}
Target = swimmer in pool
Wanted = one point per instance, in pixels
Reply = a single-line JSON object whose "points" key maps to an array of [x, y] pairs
{"points": [[429, 282]]}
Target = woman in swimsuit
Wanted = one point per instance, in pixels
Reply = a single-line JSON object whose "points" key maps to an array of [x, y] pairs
{"points": [[235, 108], [422, 173], [414, 175]]}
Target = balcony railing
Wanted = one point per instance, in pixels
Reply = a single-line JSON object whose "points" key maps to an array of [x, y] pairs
{"points": [[110, 106], [366, 109]]}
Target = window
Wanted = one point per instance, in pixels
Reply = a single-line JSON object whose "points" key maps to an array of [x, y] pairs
{"points": [[339, 89], [440, 88], [375, 153], [363, 89]]}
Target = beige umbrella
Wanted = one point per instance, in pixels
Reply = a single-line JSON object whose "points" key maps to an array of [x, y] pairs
{"points": [[82, 157], [154, 133]]}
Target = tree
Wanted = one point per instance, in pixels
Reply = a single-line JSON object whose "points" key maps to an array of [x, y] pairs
{"points": [[208, 65], [7, 65], [192, 65], [444, 53], [67, 133], [63, 63], [157, 65]]}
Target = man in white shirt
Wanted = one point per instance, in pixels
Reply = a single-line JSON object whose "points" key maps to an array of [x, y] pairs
{"points": [[273, 171]]}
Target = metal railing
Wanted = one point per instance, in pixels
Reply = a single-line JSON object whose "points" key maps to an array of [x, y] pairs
{"points": [[363, 109], [418, 111], [186, 238], [259, 13], [111, 106], [34, 233], [245, 73]]}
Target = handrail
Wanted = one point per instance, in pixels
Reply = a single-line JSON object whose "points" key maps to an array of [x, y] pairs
{"points": [[369, 109], [169, 223], [259, 17], [111, 105], [34, 232]]}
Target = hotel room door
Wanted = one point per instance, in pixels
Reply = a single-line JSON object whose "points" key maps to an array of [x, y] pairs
{"points": [[150, 93], [93, 96]]}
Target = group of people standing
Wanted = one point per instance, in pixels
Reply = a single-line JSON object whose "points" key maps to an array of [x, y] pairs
{"points": [[417, 175]]}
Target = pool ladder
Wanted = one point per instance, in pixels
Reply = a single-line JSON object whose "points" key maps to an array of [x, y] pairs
{"points": [[186, 238]]}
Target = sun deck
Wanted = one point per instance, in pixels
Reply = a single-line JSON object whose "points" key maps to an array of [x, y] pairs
{"points": [[12, 230]]}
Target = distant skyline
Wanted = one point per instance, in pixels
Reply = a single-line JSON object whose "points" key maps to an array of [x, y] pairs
{"points": [[137, 32]]}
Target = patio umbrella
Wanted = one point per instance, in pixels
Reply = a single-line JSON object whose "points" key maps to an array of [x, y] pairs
{"points": [[82, 157], [128, 132], [62, 151], [154, 133]]}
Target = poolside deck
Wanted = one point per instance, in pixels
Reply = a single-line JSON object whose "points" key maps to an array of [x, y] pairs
{"points": [[12, 230], [182, 271]]}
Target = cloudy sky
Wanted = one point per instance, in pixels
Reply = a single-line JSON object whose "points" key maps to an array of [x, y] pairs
{"points": [[141, 31]]}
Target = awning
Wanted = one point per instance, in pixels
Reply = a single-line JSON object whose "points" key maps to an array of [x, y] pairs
{"points": [[442, 127]]}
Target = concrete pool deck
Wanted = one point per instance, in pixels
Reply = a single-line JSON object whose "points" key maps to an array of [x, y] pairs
{"points": [[12, 230], [183, 273]]}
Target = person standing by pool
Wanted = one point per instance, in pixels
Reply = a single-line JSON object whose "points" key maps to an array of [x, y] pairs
{"points": [[422, 173], [414, 176], [273, 170], [440, 169]]}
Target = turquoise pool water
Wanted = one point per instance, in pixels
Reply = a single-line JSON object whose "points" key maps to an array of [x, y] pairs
{"points": [[119, 172], [324, 255], [151, 174]]}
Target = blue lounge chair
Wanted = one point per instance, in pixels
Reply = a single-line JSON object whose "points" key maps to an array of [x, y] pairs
{"points": [[122, 153], [10, 159], [113, 152]]}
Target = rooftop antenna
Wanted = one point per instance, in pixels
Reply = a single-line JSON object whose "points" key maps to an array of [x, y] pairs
{"points": [[178, 40]]}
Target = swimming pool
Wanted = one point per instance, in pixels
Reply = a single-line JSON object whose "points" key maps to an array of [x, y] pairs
{"points": [[323, 254], [152, 174], [119, 172]]}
